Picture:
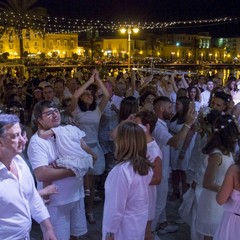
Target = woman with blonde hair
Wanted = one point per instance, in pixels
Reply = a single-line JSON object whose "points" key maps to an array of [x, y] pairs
{"points": [[126, 188]]}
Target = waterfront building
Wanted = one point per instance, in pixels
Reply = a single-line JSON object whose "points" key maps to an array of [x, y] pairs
{"points": [[34, 43]]}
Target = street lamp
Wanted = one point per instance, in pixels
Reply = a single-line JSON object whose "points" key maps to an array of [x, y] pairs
{"points": [[129, 31]]}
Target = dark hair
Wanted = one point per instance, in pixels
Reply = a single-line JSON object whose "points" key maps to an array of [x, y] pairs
{"points": [[182, 92], [197, 97], [14, 107], [161, 99], [145, 95], [213, 92], [229, 81], [82, 105], [148, 117], [222, 95], [128, 106], [59, 80], [181, 118], [38, 109], [207, 120], [7, 119], [225, 135]]}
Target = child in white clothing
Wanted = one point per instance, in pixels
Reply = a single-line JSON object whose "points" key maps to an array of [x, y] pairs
{"points": [[73, 153]]}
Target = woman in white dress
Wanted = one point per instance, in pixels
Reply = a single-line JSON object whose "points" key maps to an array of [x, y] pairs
{"points": [[219, 148], [179, 166], [87, 113], [194, 96], [126, 203]]}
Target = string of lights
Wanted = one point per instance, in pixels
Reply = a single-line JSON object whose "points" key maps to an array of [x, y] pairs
{"points": [[68, 25]]}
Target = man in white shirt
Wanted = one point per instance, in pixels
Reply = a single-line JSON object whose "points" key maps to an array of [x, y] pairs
{"points": [[67, 207], [163, 109], [205, 95], [19, 199]]}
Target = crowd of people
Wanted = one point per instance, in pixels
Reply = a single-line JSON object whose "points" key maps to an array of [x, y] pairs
{"points": [[132, 134]]}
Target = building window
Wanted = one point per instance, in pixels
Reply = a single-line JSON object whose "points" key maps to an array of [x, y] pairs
{"points": [[58, 43], [51, 43], [72, 44], [35, 44], [10, 45], [65, 43]]}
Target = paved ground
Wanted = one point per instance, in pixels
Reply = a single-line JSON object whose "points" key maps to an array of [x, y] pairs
{"points": [[94, 230]]}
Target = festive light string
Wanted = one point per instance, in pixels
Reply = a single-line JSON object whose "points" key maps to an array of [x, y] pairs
{"points": [[68, 25]]}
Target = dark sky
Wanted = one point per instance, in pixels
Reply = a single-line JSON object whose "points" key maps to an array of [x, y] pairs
{"points": [[150, 10]]}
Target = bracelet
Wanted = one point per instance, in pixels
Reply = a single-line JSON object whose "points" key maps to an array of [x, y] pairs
{"points": [[109, 234], [187, 126]]}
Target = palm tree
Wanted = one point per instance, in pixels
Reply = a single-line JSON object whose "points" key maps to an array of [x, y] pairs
{"points": [[152, 43], [22, 15]]}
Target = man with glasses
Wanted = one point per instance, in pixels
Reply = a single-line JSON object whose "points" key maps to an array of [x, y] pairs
{"points": [[19, 199], [67, 207]]}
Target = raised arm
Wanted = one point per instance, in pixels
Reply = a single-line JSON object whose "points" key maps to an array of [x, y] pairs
{"points": [[80, 91], [185, 84], [175, 88], [106, 94]]}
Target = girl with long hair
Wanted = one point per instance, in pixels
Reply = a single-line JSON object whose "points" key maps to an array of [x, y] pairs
{"points": [[126, 188], [219, 149]]}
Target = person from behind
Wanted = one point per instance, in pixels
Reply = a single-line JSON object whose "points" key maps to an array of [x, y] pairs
{"points": [[126, 203]]}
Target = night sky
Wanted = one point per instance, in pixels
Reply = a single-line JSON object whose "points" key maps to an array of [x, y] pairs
{"points": [[150, 10]]}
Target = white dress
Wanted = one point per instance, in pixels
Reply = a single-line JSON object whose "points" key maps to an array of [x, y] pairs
{"points": [[89, 123], [176, 163], [209, 213], [70, 153], [126, 203], [153, 151]]}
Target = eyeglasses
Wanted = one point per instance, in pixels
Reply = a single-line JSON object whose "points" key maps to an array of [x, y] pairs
{"points": [[51, 112]]}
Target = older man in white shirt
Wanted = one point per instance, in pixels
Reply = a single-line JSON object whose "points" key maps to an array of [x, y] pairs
{"points": [[19, 199]]}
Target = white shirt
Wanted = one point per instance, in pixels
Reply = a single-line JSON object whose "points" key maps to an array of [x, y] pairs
{"points": [[42, 152], [126, 203], [205, 95], [19, 200], [116, 100], [162, 136]]}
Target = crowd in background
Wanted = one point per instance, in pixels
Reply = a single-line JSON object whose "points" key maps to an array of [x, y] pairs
{"points": [[142, 131]]}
